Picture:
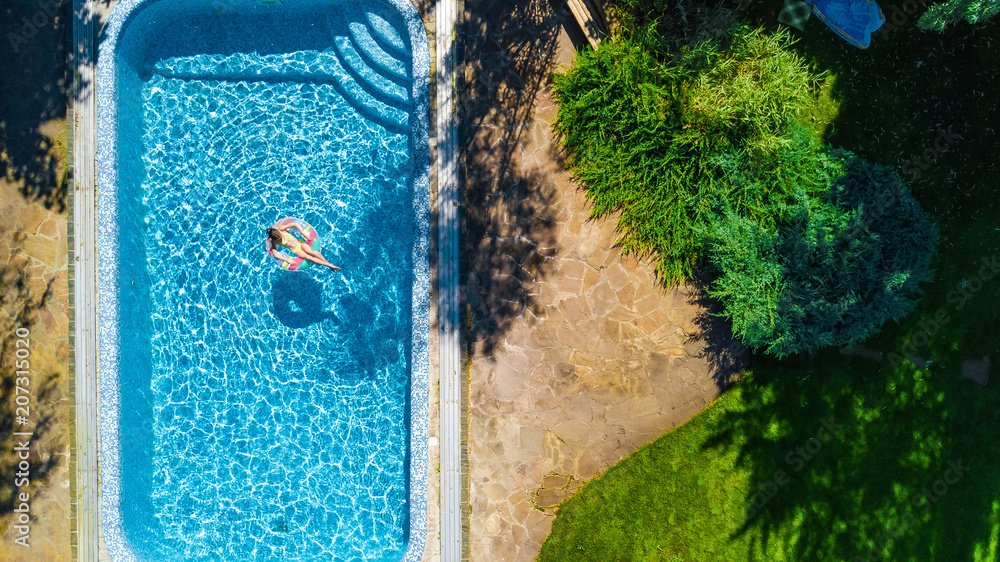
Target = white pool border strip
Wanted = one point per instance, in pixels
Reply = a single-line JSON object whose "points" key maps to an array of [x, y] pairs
{"points": [[85, 300], [107, 267], [450, 400]]}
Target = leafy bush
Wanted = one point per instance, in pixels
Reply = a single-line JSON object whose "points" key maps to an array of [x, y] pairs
{"points": [[940, 16], [653, 133], [685, 123], [834, 271], [746, 97]]}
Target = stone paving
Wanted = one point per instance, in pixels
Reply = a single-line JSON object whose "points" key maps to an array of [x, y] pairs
{"points": [[34, 293], [579, 356]]}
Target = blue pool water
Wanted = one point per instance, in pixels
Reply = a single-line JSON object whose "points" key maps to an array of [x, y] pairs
{"points": [[264, 413]]}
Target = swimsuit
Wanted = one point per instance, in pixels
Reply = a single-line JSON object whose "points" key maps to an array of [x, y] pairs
{"points": [[291, 242]]}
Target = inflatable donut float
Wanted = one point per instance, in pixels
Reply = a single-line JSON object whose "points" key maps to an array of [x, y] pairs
{"points": [[312, 240]]}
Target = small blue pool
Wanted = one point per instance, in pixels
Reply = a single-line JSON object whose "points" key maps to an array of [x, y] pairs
{"points": [[251, 413]]}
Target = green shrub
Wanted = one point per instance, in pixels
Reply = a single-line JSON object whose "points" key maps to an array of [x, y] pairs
{"points": [[685, 124], [940, 16], [669, 28], [746, 98], [650, 133], [833, 272]]}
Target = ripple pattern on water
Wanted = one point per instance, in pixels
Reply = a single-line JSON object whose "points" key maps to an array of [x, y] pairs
{"points": [[277, 398]]}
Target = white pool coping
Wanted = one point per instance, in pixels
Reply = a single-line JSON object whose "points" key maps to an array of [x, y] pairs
{"points": [[450, 365], [85, 504]]}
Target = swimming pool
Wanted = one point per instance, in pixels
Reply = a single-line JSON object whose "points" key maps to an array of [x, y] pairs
{"points": [[250, 413]]}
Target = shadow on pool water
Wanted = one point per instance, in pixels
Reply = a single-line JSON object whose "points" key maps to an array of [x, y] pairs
{"points": [[297, 301], [371, 339]]}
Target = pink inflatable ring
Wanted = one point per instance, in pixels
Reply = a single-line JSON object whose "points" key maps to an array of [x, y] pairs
{"points": [[312, 240]]}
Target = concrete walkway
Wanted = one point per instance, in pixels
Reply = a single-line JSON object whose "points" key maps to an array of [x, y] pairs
{"points": [[579, 356]]}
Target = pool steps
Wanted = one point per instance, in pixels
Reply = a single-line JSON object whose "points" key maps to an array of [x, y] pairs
{"points": [[389, 91], [376, 80], [377, 97], [363, 69], [389, 117], [375, 55], [376, 18], [366, 59]]}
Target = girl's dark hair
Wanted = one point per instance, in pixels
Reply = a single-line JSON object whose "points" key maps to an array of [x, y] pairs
{"points": [[274, 236]]}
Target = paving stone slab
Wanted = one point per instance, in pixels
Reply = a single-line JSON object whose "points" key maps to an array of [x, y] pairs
{"points": [[598, 359]]}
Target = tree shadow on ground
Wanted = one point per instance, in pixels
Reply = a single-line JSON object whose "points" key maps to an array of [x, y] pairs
{"points": [[891, 483], [727, 357], [886, 486], [855, 458], [894, 100], [19, 309], [875, 463], [36, 80], [511, 50]]}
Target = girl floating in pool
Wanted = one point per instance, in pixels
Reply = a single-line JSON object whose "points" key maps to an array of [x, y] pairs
{"points": [[281, 237]]}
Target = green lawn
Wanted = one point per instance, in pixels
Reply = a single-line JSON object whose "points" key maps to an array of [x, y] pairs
{"points": [[860, 494], [691, 492]]}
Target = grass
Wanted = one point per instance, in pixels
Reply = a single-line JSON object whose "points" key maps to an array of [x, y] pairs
{"points": [[690, 493]]}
